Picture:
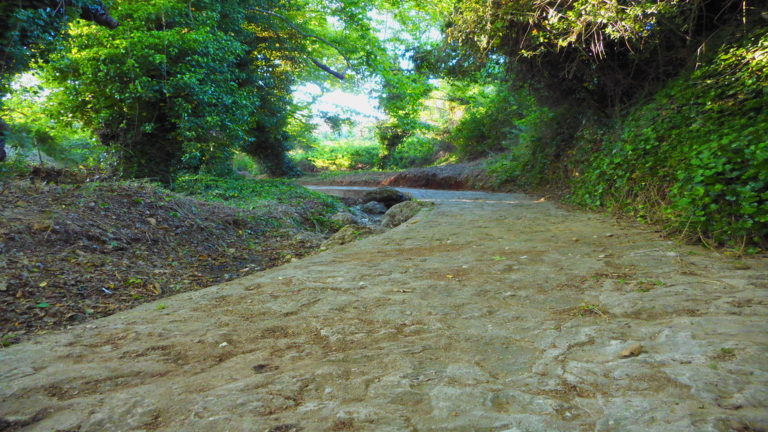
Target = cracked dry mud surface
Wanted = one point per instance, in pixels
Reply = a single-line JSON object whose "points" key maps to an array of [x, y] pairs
{"points": [[490, 312]]}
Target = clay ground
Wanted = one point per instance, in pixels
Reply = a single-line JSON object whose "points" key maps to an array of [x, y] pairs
{"points": [[490, 312]]}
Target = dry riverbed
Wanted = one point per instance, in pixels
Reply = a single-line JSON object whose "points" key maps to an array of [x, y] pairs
{"points": [[489, 312]]}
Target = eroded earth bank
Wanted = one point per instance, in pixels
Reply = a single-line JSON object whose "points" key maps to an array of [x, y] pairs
{"points": [[488, 312]]}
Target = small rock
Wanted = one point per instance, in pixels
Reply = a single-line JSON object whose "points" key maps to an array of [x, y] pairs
{"points": [[401, 213], [223, 344], [633, 351], [385, 195], [264, 368], [346, 235], [346, 218], [374, 208]]}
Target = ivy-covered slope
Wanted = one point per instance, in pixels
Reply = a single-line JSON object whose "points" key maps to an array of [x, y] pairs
{"points": [[695, 157]]}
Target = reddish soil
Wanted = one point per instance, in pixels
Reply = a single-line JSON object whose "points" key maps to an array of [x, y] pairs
{"points": [[465, 176]]}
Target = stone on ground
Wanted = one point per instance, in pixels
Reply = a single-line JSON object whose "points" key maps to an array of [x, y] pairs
{"points": [[374, 208], [385, 195], [346, 235], [401, 213]]}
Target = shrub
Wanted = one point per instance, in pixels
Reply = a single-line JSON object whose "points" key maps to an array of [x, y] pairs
{"points": [[696, 157], [498, 120], [13, 168], [415, 151], [344, 154]]}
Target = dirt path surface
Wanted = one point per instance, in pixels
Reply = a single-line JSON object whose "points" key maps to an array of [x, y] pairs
{"points": [[490, 312]]}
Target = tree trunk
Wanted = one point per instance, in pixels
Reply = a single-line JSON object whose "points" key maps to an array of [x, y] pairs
{"points": [[3, 132], [270, 151], [154, 156]]}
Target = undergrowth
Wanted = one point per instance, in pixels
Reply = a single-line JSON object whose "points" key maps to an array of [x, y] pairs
{"points": [[258, 194], [360, 154], [696, 157]]}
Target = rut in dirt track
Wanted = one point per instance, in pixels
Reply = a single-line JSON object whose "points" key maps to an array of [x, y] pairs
{"points": [[491, 312]]}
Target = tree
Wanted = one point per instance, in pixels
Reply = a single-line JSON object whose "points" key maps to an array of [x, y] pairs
{"points": [[602, 55], [182, 84], [27, 30]]}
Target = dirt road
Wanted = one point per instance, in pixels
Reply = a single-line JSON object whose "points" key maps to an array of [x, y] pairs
{"points": [[490, 312]]}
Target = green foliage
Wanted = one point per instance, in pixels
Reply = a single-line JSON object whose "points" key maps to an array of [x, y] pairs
{"points": [[392, 133], [402, 101], [255, 194], [161, 85], [300, 205], [600, 55], [362, 154], [696, 157], [509, 167], [182, 85], [241, 163], [343, 154], [37, 126], [415, 151], [14, 168], [506, 124], [27, 35]]}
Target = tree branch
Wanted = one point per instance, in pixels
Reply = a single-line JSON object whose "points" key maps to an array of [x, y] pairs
{"points": [[325, 68], [339, 75]]}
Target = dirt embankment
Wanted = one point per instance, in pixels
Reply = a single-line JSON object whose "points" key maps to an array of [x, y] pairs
{"points": [[72, 253], [466, 176]]}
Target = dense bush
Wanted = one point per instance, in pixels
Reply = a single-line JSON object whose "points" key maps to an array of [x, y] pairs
{"points": [[498, 119], [415, 151], [600, 55], [357, 154], [696, 157], [14, 168], [344, 154]]}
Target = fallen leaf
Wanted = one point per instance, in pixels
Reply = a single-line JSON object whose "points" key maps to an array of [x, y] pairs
{"points": [[633, 351]]}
